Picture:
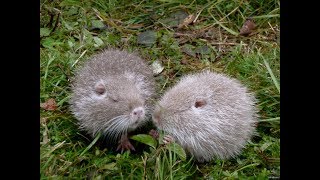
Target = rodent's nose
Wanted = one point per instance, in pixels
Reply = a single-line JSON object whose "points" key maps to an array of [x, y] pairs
{"points": [[138, 112]]}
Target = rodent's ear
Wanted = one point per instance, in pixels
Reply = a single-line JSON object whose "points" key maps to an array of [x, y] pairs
{"points": [[99, 88], [200, 103]]}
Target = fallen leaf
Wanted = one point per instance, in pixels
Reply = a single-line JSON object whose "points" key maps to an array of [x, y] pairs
{"points": [[188, 20], [203, 50], [247, 27], [147, 38], [174, 18], [188, 49], [49, 105], [157, 68]]}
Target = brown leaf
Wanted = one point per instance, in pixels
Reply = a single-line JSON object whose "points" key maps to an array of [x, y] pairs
{"points": [[49, 105], [188, 20], [247, 27]]}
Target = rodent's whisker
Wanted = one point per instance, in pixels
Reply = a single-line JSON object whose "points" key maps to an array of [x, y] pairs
{"points": [[117, 127]]}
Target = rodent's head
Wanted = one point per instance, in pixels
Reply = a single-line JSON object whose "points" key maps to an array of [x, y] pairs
{"points": [[203, 98], [111, 105], [120, 100], [180, 104], [163, 114]]}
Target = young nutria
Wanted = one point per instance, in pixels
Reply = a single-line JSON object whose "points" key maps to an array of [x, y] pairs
{"points": [[111, 94], [210, 115]]}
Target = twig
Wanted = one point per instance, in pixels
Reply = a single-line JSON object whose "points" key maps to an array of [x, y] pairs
{"points": [[220, 37], [224, 27], [272, 28], [217, 58], [56, 24], [177, 34], [226, 15], [198, 14], [111, 23], [164, 85], [222, 43], [63, 71], [167, 27], [51, 19]]}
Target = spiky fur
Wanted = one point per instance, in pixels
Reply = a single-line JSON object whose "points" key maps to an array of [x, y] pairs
{"points": [[220, 128], [127, 79]]}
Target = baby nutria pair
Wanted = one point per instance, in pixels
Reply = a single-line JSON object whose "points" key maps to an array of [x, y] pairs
{"points": [[210, 115]]}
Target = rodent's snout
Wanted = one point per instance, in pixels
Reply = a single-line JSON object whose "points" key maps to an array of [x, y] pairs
{"points": [[138, 113]]}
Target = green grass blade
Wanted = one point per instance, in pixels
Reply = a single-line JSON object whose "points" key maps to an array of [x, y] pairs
{"points": [[270, 119], [91, 144], [244, 167], [271, 73], [58, 145], [265, 16], [224, 27]]}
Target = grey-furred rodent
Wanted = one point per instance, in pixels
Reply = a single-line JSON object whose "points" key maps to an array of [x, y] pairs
{"points": [[209, 114], [111, 94]]}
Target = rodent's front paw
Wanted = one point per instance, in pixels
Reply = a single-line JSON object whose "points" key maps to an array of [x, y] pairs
{"points": [[124, 144], [154, 133], [168, 139]]}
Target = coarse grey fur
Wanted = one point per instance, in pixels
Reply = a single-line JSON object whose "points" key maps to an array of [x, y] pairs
{"points": [[209, 114], [126, 83]]}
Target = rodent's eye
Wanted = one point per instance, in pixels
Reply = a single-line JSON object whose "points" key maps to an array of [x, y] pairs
{"points": [[100, 88], [200, 103]]}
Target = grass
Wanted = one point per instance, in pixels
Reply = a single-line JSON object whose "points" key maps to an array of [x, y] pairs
{"points": [[71, 31]]}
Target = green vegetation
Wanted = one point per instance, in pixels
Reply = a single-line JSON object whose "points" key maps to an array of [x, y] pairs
{"points": [[71, 31]]}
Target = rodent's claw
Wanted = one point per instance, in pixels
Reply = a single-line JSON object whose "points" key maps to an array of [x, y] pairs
{"points": [[154, 133], [125, 145], [168, 139]]}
